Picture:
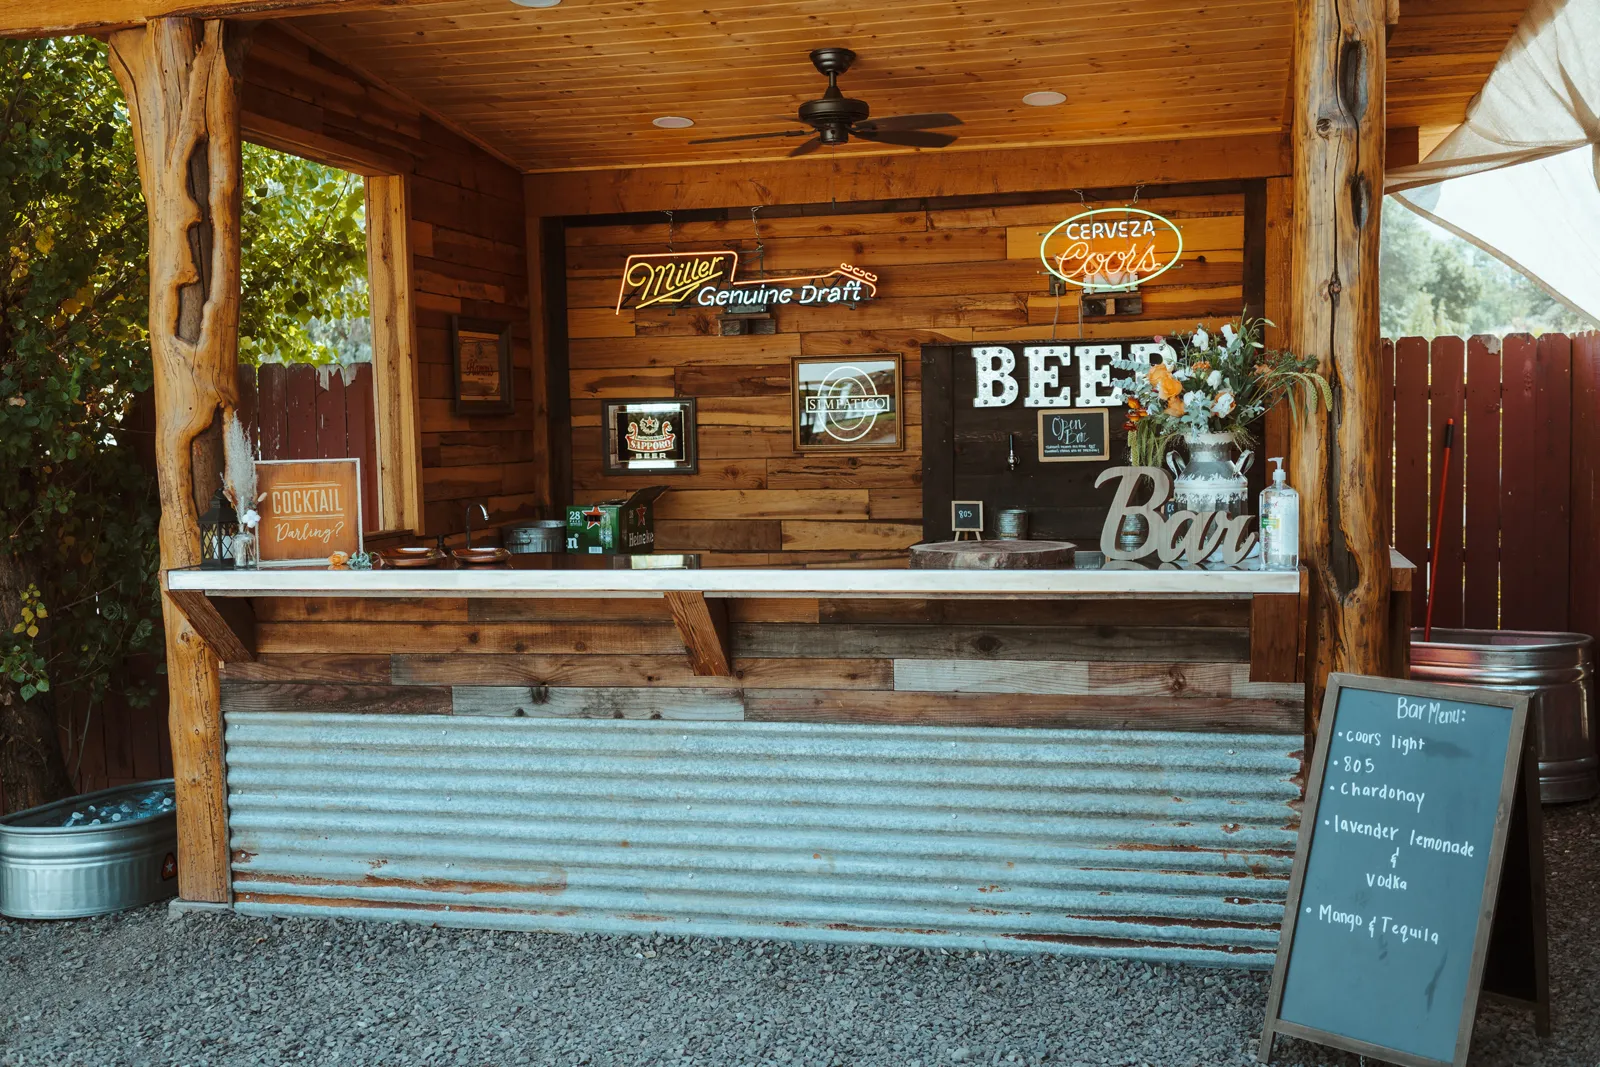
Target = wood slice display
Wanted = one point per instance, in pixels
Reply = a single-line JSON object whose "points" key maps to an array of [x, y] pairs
{"points": [[993, 555]]}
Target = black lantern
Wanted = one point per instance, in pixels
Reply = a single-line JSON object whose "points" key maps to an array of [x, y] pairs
{"points": [[217, 529]]}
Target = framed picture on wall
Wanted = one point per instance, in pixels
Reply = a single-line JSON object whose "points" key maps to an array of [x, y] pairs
{"points": [[848, 404], [650, 435], [481, 352]]}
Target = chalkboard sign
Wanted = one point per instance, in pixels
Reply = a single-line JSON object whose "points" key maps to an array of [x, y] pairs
{"points": [[966, 516], [1396, 879], [1067, 436]]}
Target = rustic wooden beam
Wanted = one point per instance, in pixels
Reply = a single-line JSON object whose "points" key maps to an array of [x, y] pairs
{"points": [[227, 625], [56, 18], [1338, 144], [704, 626], [180, 79], [819, 178]]}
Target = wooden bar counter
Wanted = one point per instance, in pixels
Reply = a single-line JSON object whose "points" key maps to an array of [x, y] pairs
{"points": [[1086, 761], [1131, 648]]}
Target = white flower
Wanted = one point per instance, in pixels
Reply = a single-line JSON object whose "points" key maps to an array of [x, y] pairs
{"points": [[1182, 374], [250, 518], [1201, 339], [1223, 405], [1193, 399], [1227, 332], [1214, 379]]}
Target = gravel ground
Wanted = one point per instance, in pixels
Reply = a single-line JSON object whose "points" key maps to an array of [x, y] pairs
{"points": [[141, 988]]}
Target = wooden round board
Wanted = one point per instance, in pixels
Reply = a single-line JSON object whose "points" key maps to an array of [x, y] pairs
{"points": [[993, 555]]}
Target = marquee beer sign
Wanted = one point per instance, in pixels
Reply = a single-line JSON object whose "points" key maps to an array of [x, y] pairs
{"points": [[1111, 248], [707, 279]]}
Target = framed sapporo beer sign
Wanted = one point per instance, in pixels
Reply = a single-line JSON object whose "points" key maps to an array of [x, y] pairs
{"points": [[650, 435], [481, 352], [848, 404], [310, 509]]}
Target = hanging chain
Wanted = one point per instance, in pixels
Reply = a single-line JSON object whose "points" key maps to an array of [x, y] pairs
{"points": [[761, 249], [669, 231]]}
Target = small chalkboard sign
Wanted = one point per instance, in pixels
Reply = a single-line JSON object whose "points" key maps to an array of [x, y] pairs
{"points": [[966, 516], [1402, 860], [1073, 435]]}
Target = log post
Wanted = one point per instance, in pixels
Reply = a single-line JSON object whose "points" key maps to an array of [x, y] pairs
{"points": [[180, 78], [1338, 136]]}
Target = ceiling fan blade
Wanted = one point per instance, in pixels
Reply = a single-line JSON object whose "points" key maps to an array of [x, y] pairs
{"points": [[752, 136], [909, 138], [807, 147], [912, 122]]}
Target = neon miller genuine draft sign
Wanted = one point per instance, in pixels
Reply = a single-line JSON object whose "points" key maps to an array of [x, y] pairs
{"points": [[1111, 248], [706, 279]]}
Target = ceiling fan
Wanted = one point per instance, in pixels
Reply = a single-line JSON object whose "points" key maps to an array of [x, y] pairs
{"points": [[835, 118]]}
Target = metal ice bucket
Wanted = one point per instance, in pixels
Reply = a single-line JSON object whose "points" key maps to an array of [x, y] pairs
{"points": [[50, 871], [1555, 669]]}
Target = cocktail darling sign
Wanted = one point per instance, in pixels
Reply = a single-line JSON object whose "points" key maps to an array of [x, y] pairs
{"points": [[706, 279]]}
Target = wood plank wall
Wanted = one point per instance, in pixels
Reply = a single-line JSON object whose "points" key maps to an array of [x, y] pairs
{"points": [[950, 271], [468, 248], [1113, 664]]}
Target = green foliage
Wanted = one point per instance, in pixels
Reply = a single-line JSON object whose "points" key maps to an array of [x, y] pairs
{"points": [[1433, 283], [303, 264], [78, 510]]}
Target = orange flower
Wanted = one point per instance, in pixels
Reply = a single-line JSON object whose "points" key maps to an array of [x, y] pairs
{"points": [[1129, 426], [1202, 367], [1175, 406], [1165, 383]]}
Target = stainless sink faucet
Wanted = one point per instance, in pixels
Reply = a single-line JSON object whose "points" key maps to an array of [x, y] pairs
{"points": [[485, 512]]}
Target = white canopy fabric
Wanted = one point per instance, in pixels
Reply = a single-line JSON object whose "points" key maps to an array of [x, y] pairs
{"points": [[1520, 178]]}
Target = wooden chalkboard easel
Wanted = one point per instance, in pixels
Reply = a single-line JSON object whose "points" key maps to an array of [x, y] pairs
{"points": [[1508, 935]]}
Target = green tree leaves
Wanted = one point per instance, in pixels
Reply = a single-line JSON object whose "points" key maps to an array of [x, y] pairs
{"points": [[303, 263], [1432, 283], [78, 510]]}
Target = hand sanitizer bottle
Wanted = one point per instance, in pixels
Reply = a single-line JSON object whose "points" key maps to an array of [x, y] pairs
{"points": [[1280, 523]]}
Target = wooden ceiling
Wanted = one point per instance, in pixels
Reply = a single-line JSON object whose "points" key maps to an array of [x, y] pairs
{"points": [[576, 86]]}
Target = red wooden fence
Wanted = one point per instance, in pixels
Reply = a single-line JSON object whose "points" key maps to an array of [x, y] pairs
{"points": [[1522, 493], [305, 412]]}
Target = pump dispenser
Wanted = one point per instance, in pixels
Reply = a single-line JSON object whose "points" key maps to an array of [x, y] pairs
{"points": [[1280, 523]]}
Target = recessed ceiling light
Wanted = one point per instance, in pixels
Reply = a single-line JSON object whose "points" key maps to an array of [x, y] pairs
{"points": [[672, 122], [1045, 98], [536, 3]]}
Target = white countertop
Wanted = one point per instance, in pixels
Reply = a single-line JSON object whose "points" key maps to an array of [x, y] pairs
{"points": [[734, 582]]}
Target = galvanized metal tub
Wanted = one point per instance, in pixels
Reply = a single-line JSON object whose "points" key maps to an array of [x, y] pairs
{"points": [[542, 535], [50, 871], [1555, 669]]}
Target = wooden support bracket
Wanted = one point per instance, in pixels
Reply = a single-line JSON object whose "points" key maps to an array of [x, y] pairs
{"points": [[1275, 630], [704, 626], [227, 625]]}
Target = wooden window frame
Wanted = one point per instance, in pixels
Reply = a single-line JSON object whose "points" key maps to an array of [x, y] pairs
{"points": [[394, 355]]}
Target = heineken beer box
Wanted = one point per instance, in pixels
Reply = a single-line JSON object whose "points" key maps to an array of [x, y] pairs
{"points": [[615, 526]]}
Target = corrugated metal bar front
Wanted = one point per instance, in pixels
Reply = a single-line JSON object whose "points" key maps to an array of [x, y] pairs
{"points": [[1147, 844]]}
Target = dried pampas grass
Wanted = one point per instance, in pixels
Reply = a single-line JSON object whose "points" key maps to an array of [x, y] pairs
{"points": [[238, 464]]}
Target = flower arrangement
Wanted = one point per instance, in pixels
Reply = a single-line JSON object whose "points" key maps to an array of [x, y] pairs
{"points": [[1207, 384]]}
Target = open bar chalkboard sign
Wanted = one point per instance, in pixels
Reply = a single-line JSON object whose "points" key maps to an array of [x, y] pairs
{"points": [[1403, 844], [1068, 435]]}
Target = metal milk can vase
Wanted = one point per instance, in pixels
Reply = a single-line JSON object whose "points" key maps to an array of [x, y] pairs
{"points": [[1212, 478]]}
